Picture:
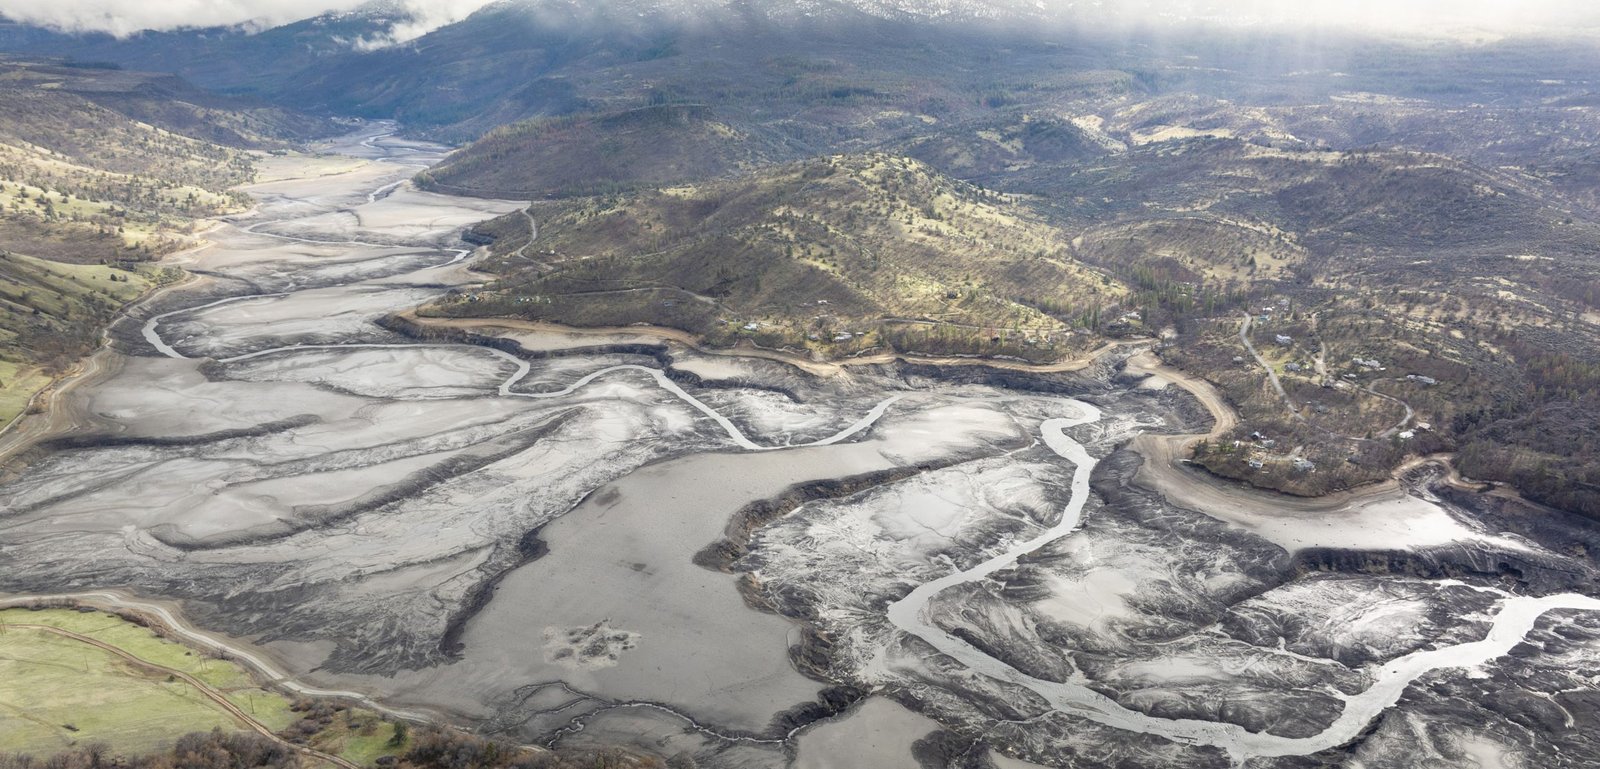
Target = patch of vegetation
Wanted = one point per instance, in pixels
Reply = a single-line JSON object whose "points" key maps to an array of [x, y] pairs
{"points": [[214, 750]]}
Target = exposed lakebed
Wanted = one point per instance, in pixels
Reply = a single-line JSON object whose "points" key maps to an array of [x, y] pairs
{"points": [[582, 540]]}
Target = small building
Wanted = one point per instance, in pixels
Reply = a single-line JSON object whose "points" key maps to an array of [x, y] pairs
{"points": [[1268, 443], [1407, 435], [1303, 465], [1293, 368], [843, 336], [1371, 363], [1420, 379], [1257, 464], [1282, 339], [752, 326], [1238, 359], [1424, 427]]}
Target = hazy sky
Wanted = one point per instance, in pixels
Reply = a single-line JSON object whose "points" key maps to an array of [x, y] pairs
{"points": [[124, 17], [1429, 17]]}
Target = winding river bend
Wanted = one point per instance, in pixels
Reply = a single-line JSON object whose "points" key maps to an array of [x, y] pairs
{"points": [[853, 432]]}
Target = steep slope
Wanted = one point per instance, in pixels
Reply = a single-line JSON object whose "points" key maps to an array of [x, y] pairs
{"points": [[833, 255]]}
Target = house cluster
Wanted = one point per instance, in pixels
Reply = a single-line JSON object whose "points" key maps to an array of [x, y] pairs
{"points": [[1260, 458]]}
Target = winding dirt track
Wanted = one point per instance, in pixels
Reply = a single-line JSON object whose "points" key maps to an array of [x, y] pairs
{"points": [[204, 688]]}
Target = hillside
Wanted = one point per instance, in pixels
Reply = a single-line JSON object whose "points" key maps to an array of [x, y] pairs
{"points": [[1387, 290], [834, 255], [101, 171], [559, 157]]}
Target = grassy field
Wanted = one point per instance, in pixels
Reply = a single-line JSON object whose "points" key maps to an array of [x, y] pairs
{"points": [[18, 383], [57, 692]]}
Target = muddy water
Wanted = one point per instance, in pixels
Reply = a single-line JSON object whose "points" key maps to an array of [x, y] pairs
{"points": [[623, 560]]}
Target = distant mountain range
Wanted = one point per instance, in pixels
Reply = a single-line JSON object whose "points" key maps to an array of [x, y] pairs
{"points": [[518, 59]]}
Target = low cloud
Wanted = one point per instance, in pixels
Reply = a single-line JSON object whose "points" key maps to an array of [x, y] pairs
{"points": [[1407, 17], [1410, 17], [123, 18]]}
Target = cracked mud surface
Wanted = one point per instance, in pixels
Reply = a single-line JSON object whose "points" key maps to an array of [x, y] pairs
{"points": [[506, 534]]}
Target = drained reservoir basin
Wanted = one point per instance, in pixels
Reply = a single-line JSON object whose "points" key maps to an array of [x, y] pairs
{"points": [[578, 539]]}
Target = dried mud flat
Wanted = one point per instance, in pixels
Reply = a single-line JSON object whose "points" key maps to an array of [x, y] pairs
{"points": [[577, 539]]}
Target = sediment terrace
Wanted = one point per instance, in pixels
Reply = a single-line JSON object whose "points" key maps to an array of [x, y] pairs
{"points": [[500, 525]]}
